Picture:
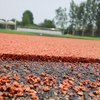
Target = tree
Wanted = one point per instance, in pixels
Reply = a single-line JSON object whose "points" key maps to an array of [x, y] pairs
{"points": [[93, 15], [98, 17], [89, 20], [27, 18], [47, 24], [18, 23], [61, 18], [76, 21], [91, 8], [82, 16], [2, 25], [73, 15]]}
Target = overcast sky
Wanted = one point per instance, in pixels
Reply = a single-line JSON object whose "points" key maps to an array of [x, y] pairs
{"points": [[41, 9]]}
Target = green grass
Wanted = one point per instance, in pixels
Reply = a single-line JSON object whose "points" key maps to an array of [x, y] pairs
{"points": [[65, 36], [32, 26], [17, 32]]}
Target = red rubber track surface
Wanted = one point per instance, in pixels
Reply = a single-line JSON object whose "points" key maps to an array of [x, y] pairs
{"points": [[50, 46]]}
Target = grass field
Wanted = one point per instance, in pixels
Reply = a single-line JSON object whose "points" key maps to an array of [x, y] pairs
{"points": [[52, 35]]}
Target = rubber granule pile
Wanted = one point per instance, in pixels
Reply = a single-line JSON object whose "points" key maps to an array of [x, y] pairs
{"points": [[31, 80]]}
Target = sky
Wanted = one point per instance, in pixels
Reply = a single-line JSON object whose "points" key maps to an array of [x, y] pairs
{"points": [[41, 9]]}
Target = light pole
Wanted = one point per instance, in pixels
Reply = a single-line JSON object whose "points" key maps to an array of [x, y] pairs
{"points": [[6, 24], [15, 24]]}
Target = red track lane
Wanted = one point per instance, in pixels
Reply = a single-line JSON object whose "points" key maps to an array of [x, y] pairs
{"points": [[51, 46]]}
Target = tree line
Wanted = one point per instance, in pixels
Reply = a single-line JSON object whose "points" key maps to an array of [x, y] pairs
{"points": [[82, 19], [28, 20], [85, 17]]}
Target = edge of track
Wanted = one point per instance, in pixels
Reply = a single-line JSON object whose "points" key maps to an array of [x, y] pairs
{"points": [[47, 58]]}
